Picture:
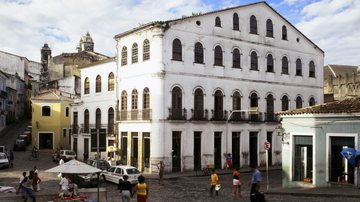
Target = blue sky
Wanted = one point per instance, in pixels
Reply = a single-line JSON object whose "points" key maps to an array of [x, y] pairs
{"points": [[25, 25]]}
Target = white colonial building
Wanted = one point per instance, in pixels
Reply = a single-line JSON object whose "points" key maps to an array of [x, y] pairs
{"points": [[192, 89], [95, 110]]}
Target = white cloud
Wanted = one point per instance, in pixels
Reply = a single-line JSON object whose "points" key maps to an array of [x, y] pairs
{"points": [[26, 25], [334, 26], [290, 2]]}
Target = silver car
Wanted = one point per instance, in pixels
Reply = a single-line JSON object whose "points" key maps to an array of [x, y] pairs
{"points": [[115, 173], [4, 161]]}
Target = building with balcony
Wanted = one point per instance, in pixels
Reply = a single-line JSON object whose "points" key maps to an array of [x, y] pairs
{"points": [[3, 100], [193, 89], [95, 112]]}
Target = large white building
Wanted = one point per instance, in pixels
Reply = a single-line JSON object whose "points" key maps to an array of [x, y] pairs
{"points": [[95, 110], [193, 89]]}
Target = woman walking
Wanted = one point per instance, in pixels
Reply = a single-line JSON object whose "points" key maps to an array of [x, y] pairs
{"points": [[213, 182], [126, 189], [236, 183], [142, 189]]}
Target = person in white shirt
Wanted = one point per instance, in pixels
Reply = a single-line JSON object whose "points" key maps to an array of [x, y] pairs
{"points": [[22, 177], [67, 187], [61, 162]]}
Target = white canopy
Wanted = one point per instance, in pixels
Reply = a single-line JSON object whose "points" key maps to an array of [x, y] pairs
{"points": [[73, 166]]}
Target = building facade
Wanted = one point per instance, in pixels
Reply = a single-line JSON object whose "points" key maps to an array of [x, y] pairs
{"points": [[51, 120], [313, 138], [340, 82], [95, 111], [193, 89]]}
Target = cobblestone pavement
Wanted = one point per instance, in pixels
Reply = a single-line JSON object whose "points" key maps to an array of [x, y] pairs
{"points": [[177, 189]]}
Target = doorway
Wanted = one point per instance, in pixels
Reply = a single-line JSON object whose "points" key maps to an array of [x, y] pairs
{"points": [[236, 149], [217, 150], [303, 165], [134, 149], [124, 143], [340, 169], [146, 151], [46, 141], [86, 149], [269, 139], [176, 151], [253, 143], [197, 150]]}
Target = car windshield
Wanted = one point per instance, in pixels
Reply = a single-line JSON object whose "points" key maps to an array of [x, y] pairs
{"points": [[2, 156], [132, 171]]}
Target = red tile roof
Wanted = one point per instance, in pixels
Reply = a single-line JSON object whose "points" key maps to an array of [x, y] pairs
{"points": [[349, 105]]}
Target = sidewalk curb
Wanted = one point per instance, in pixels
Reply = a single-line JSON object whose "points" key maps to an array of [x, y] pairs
{"points": [[312, 194]]}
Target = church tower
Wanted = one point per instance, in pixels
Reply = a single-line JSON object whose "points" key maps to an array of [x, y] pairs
{"points": [[86, 43], [45, 56]]}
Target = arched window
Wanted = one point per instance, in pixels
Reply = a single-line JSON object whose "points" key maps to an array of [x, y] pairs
{"points": [[177, 50], [298, 68], [111, 82], [217, 22], [284, 65], [199, 104], [218, 106], [134, 53], [269, 28], [199, 53], [235, 21], [134, 100], [270, 116], [298, 102], [253, 25], [146, 50], [253, 106], [284, 33], [284, 103], [218, 56], [312, 69], [124, 56], [123, 115], [86, 121], [111, 121], [146, 98], [176, 102], [270, 63], [253, 61], [98, 119], [312, 101], [146, 104], [87, 86], [236, 58], [98, 84], [236, 99]]}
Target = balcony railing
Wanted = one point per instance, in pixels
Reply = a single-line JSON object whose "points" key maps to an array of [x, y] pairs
{"points": [[271, 117], [134, 115], [255, 117], [219, 115], [177, 114], [84, 128], [199, 115], [238, 116]]}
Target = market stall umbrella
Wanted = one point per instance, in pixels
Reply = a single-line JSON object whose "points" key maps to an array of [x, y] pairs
{"points": [[76, 167]]}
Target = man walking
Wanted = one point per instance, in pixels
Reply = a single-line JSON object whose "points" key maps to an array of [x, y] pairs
{"points": [[26, 187], [255, 195]]}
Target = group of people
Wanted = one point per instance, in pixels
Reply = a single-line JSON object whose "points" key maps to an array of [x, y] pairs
{"points": [[127, 190], [254, 184], [28, 184], [67, 187]]}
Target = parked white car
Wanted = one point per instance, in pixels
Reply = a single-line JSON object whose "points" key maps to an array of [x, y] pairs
{"points": [[7, 189], [66, 154], [4, 161], [115, 174]]}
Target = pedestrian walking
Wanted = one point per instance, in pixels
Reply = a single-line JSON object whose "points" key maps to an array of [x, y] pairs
{"points": [[255, 195], [161, 168], [214, 180], [36, 182], [22, 177], [11, 153], [236, 183], [35, 170], [26, 187], [142, 189], [125, 189]]}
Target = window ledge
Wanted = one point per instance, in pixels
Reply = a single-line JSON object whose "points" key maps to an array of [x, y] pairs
{"points": [[254, 33], [177, 60], [270, 72], [218, 65], [254, 69], [199, 63]]}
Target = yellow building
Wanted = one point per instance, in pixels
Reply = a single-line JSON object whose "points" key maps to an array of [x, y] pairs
{"points": [[51, 120]]}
